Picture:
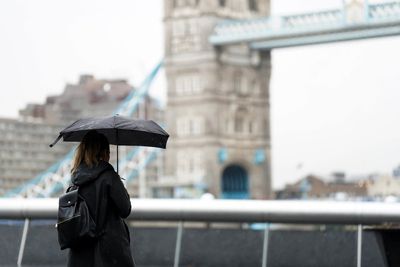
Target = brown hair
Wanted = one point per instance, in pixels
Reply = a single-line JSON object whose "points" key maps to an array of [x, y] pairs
{"points": [[92, 148]]}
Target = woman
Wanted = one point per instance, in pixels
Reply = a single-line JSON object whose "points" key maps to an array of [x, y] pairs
{"points": [[108, 203]]}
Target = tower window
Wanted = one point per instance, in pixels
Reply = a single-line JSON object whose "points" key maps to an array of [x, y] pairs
{"points": [[239, 124], [253, 5], [240, 85], [181, 28], [190, 125], [222, 3], [240, 120], [237, 82], [188, 84]]}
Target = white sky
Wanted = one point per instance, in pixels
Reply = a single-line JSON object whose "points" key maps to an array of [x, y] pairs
{"points": [[334, 107]]}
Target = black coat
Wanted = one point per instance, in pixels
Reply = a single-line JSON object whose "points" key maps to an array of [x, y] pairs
{"points": [[108, 203]]}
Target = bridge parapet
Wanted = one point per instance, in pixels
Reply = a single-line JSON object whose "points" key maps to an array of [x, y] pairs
{"points": [[314, 19], [390, 10], [353, 21]]}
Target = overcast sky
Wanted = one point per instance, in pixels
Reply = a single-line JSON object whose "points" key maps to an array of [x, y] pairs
{"points": [[334, 107]]}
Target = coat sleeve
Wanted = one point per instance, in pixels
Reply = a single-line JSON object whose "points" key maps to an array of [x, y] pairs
{"points": [[120, 197]]}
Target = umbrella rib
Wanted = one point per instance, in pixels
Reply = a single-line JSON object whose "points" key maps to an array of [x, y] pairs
{"points": [[55, 141]]}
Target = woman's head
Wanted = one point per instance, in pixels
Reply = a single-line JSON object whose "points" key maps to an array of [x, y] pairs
{"points": [[93, 148]]}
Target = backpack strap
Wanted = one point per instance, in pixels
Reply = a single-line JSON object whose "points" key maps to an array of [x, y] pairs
{"points": [[71, 188]]}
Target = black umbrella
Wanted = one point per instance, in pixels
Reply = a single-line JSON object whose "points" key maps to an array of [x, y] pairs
{"points": [[119, 130]]}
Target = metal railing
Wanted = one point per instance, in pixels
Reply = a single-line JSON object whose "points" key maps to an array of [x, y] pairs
{"points": [[294, 212], [279, 211], [352, 22]]}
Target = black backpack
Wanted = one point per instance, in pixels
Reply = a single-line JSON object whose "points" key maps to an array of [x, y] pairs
{"points": [[74, 224]]}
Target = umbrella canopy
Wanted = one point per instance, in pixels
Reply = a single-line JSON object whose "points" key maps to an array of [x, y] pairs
{"points": [[119, 130]]}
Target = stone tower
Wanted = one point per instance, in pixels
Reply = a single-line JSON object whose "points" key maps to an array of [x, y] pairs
{"points": [[218, 103]]}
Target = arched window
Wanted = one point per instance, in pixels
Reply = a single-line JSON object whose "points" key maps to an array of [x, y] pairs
{"points": [[222, 3], [235, 183]]}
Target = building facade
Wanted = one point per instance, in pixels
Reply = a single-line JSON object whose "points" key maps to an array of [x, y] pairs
{"points": [[383, 186], [218, 103], [89, 97], [25, 152], [315, 187], [24, 142]]}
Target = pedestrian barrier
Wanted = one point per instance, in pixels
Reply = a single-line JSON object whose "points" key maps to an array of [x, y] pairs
{"points": [[360, 215]]}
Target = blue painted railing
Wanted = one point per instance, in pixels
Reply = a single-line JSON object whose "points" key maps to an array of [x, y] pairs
{"points": [[252, 30]]}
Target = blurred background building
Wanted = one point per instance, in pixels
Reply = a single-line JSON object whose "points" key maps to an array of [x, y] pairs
{"points": [[373, 187], [333, 188], [218, 103], [24, 142], [24, 151], [218, 108]]}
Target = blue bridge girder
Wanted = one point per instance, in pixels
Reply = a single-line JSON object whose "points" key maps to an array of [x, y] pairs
{"points": [[56, 179], [353, 22]]}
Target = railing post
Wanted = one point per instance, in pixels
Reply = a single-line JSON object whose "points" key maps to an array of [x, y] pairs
{"points": [[265, 246], [178, 244], [359, 245], [23, 241]]}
